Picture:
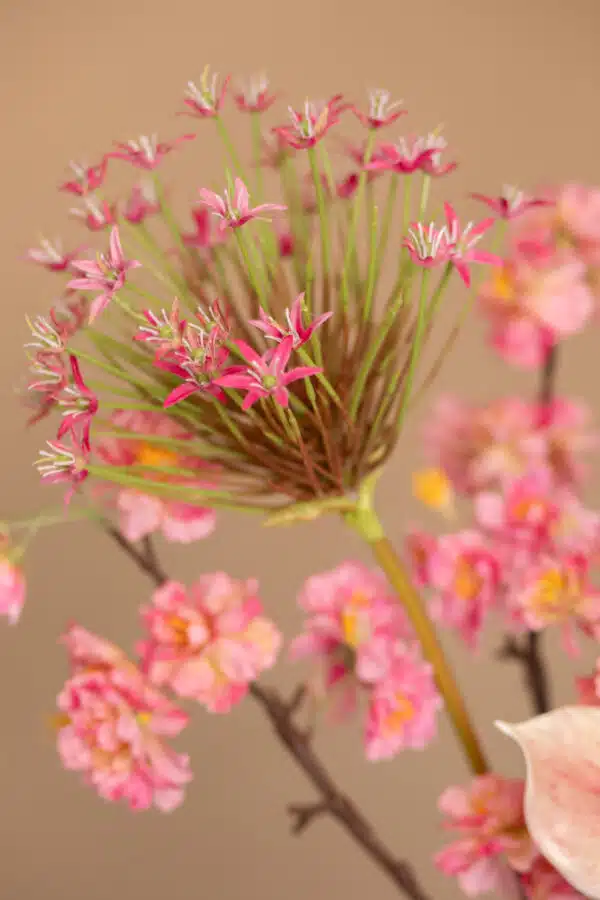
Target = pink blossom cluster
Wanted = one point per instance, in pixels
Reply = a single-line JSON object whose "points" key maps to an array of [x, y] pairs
{"points": [[547, 288], [366, 652], [491, 842], [532, 546], [114, 721]]}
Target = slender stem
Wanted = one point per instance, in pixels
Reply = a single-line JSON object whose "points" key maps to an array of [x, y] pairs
{"points": [[366, 523], [280, 714], [529, 652], [324, 225]]}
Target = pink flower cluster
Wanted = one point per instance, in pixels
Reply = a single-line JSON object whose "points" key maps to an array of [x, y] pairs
{"points": [[492, 842], [366, 651], [533, 543], [113, 720], [547, 288]]}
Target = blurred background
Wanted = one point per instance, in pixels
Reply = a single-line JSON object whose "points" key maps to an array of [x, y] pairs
{"points": [[516, 85]]}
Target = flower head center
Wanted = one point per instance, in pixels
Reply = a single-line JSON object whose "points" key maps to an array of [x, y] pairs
{"points": [[400, 715], [467, 581]]}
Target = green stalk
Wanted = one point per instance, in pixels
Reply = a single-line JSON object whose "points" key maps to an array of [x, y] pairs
{"points": [[417, 341], [356, 209], [230, 148], [325, 242], [166, 213], [372, 270]]}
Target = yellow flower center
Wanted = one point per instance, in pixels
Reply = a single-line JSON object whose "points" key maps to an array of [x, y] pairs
{"points": [[353, 623], [503, 286], [149, 455], [402, 713], [556, 595], [432, 487], [467, 583], [179, 629]]}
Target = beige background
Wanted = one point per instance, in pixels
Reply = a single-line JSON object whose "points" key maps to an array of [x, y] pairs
{"points": [[516, 84]]}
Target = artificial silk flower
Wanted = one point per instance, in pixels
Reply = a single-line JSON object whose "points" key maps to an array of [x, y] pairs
{"points": [[381, 111], [544, 882], [511, 203], [311, 124], [52, 256], [351, 629], [63, 464], [141, 204], [562, 799], [402, 706], [112, 726], [403, 157], [147, 152], [86, 179], [235, 213], [203, 237], [433, 488], [253, 95], [210, 641], [205, 98], [80, 405], [294, 327], [143, 514], [488, 820], [96, 214], [464, 570], [578, 212], [106, 274]]}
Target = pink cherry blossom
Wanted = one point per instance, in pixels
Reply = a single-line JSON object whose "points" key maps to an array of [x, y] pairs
{"points": [[403, 706], [311, 124], [266, 375], [557, 591], [97, 215], [352, 625], [488, 820], [206, 98], [511, 203], [295, 327], [465, 572], [381, 111], [210, 641], [106, 274], [143, 514], [234, 214], [80, 405], [562, 799], [12, 588], [61, 464], [51, 256], [112, 725], [578, 210], [86, 178], [254, 96], [147, 152], [141, 204]]}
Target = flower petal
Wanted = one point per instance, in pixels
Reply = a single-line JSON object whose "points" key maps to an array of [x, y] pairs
{"points": [[562, 800]]}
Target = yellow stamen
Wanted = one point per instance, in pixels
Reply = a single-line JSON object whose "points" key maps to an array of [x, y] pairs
{"points": [[148, 455], [467, 583], [353, 624], [502, 285], [398, 717]]}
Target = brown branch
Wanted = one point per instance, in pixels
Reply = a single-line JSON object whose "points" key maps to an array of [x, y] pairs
{"points": [[297, 742], [528, 651]]}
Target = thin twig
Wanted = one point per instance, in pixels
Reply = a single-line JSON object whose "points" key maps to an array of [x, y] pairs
{"points": [[297, 742], [528, 652]]}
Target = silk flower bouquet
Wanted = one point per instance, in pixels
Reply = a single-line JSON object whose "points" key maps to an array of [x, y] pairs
{"points": [[269, 368]]}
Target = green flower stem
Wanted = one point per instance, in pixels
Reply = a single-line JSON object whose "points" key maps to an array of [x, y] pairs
{"points": [[323, 220], [251, 268], [121, 374], [171, 282], [372, 352], [424, 196], [363, 519], [372, 269], [166, 213], [416, 347], [388, 214], [355, 216], [230, 148], [438, 293]]}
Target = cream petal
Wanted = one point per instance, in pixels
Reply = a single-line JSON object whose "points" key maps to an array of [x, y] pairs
{"points": [[562, 799]]}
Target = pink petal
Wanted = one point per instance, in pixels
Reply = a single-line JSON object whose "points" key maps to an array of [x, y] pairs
{"points": [[116, 251], [562, 800], [180, 393], [249, 353], [241, 196], [300, 372]]}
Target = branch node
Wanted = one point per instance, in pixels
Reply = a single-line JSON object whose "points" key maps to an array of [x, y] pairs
{"points": [[304, 814]]}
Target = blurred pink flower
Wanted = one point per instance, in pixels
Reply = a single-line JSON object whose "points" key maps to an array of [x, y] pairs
{"points": [[465, 572], [96, 214], [112, 726], [142, 514], [403, 706], [79, 404], [352, 624], [61, 464], [206, 98], [557, 591], [85, 178], [420, 548], [141, 204], [544, 882], [147, 152], [381, 111], [253, 95], [51, 256], [312, 123], [210, 641], [12, 588], [488, 820], [578, 213], [511, 203]]}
